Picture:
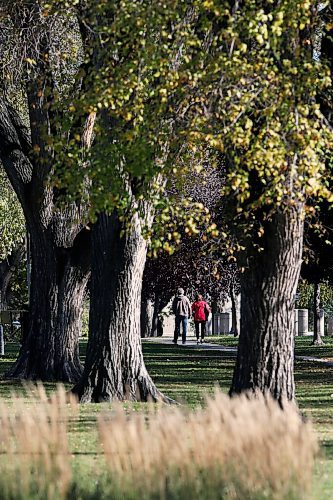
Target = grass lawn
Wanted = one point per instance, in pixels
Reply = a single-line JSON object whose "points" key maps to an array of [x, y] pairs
{"points": [[187, 375]]}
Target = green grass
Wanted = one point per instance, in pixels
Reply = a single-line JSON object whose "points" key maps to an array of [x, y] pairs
{"points": [[187, 375], [303, 345]]}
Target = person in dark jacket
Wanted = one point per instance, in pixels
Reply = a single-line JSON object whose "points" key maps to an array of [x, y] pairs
{"points": [[181, 308], [200, 310]]}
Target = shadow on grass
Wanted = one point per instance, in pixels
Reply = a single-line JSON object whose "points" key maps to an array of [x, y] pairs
{"points": [[184, 373], [327, 448], [187, 374]]}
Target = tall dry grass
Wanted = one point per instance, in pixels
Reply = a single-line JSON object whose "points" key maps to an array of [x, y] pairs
{"points": [[233, 448], [34, 453]]}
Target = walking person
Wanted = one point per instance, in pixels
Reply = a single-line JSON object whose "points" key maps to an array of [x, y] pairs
{"points": [[200, 310], [181, 308]]}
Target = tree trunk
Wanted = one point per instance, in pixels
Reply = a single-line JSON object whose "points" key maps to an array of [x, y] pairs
{"points": [[7, 268], [114, 367], [50, 350], [147, 312], [156, 326], [317, 340], [151, 324], [234, 326], [59, 247], [265, 358], [5, 275]]}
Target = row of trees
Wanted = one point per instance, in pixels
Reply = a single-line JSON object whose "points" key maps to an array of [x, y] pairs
{"points": [[122, 100]]}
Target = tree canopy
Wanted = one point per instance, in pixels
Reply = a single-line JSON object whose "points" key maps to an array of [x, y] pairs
{"points": [[240, 78]]}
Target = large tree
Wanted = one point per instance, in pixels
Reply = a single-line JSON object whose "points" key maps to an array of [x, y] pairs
{"points": [[259, 87], [62, 115], [59, 240], [126, 175], [282, 165]]}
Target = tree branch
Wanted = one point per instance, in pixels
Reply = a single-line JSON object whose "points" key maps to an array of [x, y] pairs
{"points": [[14, 148]]}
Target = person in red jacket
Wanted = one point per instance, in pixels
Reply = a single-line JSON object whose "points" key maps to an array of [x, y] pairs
{"points": [[200, 311]]}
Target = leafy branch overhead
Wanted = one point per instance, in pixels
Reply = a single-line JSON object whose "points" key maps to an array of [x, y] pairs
{"points": [[235, 77]]}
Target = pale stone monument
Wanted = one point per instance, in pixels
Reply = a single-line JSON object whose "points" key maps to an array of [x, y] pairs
{"points": [[303, 322], [222, 323]]}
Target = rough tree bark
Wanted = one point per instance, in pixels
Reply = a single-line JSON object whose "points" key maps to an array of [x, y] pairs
{"points": [[157, 307], [317, 340], [59, 277], [7, 268], [265, 358], [146, 318], [151, 325], [114, 367], [59, 240]]}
